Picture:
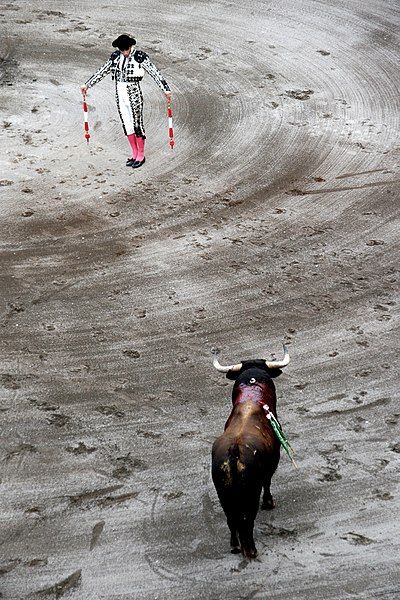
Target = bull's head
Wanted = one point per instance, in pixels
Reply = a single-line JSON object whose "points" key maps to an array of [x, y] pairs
{"points": [[273, 367]]}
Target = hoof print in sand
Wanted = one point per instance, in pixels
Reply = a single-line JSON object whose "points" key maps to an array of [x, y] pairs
{"points": [[59, 589], [299, 94], [20, 450], [43, 405], [9, 382], [96, 533], [131, 353], [37, 562], [172, 495], [126, 465], [331, 474], [9, 566], [149, 434], [110, 411], [357, 539], [375, 243], [58, 420], [81, 448], [380, 495]]}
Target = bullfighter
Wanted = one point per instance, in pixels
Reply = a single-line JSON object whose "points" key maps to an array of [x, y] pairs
{"points": [[127, 67]]}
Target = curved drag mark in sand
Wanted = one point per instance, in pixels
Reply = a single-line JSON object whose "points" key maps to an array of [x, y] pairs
{"points": [[164, 563]]}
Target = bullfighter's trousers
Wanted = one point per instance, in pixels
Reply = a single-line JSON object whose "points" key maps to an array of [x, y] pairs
{"points": [[130, 107]]}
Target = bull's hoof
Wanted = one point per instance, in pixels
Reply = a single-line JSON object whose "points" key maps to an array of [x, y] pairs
{"points": [[250, 553], [268, 504], [235, 550]]}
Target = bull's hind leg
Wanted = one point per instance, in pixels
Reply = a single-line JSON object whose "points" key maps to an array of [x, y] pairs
{"points": [[268, 502], [248, 546], [235, 546]]}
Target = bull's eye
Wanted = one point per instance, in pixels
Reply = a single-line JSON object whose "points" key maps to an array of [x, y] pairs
{"points": [[252, 380]]}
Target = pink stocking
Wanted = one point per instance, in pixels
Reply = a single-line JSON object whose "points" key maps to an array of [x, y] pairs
{"points": [[132, 139], [140, 147]]}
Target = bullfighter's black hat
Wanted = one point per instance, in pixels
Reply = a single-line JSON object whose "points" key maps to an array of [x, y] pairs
{"points": [[124, 41]]}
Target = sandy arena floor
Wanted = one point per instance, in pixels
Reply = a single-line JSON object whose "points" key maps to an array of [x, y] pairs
{"points": [[273, 219]]}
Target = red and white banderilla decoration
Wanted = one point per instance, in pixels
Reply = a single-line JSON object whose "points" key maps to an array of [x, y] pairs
{"points": [[170, 128], [86, 122]]}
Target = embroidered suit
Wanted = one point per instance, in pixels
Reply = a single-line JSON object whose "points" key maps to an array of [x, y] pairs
{"points": [[128, 72]]}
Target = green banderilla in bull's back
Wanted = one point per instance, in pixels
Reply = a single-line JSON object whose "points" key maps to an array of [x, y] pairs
{"points": [[280, 435]]}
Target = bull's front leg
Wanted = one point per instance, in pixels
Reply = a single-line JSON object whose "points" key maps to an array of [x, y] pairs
{"points": [[268, 502]]}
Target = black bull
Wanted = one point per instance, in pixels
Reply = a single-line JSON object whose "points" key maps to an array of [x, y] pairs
{"points": [[246, 455]]}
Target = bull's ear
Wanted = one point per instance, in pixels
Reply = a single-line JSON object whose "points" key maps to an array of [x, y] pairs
{"points": [[274, 373], [232, 375]]}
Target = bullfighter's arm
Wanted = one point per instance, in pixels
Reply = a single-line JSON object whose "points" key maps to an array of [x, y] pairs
{"points": [[100, 73], [152, 70]]}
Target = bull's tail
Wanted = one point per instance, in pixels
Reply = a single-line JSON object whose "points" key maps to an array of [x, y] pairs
{"points": [[234, 452]]}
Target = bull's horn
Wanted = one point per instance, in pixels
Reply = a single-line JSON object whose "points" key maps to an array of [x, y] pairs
{"points": [[222, 369], [279, 364]]}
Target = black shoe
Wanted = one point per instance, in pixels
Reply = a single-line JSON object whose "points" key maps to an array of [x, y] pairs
{"points": [[130, 162], [138, 163]]}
